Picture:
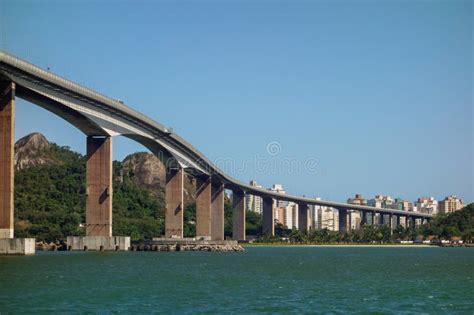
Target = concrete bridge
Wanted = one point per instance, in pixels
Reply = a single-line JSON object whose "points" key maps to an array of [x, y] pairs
{"points": [[101, 118]]}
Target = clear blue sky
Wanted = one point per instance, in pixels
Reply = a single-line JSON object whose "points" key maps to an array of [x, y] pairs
{"points": [[379, 92]]}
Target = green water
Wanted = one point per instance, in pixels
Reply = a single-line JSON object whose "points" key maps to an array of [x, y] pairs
{"points": [[260, 280]]}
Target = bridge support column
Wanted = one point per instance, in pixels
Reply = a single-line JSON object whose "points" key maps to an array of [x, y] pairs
{"points": [[342, 220], [268, 224], [217, 212], [303, 217], [174, 203], [99, 186], [381, 219], [8, 244], [398, 223], [7, 158], [406, 223], [238, 205], [203, 208], [374, 218], [410, 222], [363, 220], [99, 193]]}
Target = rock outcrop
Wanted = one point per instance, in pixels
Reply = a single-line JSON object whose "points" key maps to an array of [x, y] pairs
{"points": [[31, 151], [149, 172], [146, 170]]}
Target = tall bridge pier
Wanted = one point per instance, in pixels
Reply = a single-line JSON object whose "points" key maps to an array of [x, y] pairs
{"points": [[9, 244], [268, 220], [174, 202], [217, 211], [99, 194], [203, 208], [238, 207], [303, 210], [342, 220]]}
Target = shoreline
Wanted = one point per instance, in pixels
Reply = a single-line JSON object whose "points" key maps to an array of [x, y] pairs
{"points": [[339, 245]]}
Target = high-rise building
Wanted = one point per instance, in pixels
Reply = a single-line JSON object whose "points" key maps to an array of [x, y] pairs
{"points": [[427, 205], [326, 217], [280, 215], [385, 201], [355, 216], [450, 204], [401, 204], [291, 215], [254, 203], [381, 201]]}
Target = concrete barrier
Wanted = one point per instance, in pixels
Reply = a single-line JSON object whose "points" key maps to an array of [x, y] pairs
{"points": [[98, 243], [17, 246]]}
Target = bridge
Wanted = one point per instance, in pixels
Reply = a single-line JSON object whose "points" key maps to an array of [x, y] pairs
{"points": [[101, 118]]}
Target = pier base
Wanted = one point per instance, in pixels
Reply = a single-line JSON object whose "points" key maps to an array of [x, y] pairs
{"points": [[17, 246], [98, 243]]}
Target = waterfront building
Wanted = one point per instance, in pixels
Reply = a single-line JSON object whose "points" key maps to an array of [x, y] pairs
{"points": [[355, 217], [291, 213], [381, 201], [280, 215], [326, 217], [427, 205], [254, 203], [450, 204]]}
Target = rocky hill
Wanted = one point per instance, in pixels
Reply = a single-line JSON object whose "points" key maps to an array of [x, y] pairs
{"points": [[31, 150], [149, 172]]}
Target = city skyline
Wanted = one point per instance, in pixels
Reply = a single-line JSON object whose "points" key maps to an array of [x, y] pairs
{"points": [[322, 217], [400, 154]]}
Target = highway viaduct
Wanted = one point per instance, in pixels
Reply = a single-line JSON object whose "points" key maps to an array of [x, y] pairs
{"points": [[101, 118]]}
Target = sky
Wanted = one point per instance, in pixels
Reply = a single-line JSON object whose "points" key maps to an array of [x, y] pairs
{"points": [[328, 98]]}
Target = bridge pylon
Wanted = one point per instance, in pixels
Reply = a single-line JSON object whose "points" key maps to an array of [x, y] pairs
{"points": [[268, 220], [9, 244], [99, 195], [203, 207], [217, 211], [174, 202], [238, 205]]}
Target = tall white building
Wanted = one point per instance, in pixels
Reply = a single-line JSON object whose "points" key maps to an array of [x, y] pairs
{"points": [[254, 203], [291, 213], [325, 218]]}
